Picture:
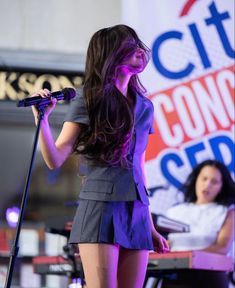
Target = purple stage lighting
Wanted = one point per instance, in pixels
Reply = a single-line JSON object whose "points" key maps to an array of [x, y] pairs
{"points": [[12, 215]]}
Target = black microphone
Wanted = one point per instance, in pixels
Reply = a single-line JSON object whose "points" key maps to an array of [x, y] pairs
{"points": [[64, 94]]}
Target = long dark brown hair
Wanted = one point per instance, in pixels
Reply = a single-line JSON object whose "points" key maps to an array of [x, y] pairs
{"points": [[227, 193], [111, 115]]}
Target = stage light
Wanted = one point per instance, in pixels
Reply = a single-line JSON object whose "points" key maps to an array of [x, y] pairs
{"points": [[12, 215]]}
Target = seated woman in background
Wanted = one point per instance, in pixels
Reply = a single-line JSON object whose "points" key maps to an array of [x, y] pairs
{"points": [[209, 211]]}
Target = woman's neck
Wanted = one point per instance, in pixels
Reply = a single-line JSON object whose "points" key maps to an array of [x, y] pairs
{"points": [[122, 84]]}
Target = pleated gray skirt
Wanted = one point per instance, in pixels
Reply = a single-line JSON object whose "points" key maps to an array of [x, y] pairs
{"points": [[123, 223]]}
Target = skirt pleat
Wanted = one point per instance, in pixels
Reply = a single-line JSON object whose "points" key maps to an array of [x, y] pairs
{"points": [[123, 223]]}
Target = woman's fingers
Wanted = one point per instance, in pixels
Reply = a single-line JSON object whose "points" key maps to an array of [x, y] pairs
{"points": [[160, 243], [165, 244], [43, 93]]}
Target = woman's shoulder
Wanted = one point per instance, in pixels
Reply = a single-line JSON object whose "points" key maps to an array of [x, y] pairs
{"points": [[79, 92], [144, 105], [78, 100], [145, 99], [77, 111]]}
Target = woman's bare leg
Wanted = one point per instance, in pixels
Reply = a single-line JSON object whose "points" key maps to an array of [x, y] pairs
{"points": [[100, 262], [132, 268]]}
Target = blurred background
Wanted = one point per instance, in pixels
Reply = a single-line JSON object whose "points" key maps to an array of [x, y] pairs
{"points": [[43, 45]]}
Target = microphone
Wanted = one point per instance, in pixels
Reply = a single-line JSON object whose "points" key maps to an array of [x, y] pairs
{"points": [[64, 94]]}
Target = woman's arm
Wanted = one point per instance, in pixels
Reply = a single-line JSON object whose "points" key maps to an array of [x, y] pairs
{"points": [[225, 237], [55, 153], [159, 242]]}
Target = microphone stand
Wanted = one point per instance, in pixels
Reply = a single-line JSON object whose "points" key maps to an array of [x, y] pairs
{"points": [[15, 247]]}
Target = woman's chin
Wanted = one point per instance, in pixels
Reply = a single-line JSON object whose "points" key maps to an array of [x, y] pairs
{"points": [[131, 69], [137, 69]]}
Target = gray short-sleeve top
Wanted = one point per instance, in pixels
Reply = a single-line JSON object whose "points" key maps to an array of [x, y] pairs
{"points": [[107, 183], [77, 111]]}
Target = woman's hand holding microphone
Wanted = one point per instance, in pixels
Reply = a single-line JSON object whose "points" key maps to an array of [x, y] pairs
{"points": [[44, 93]]}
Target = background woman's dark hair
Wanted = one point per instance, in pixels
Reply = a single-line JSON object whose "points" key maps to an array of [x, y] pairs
{"points": [[227, 193], [111, 115]]}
